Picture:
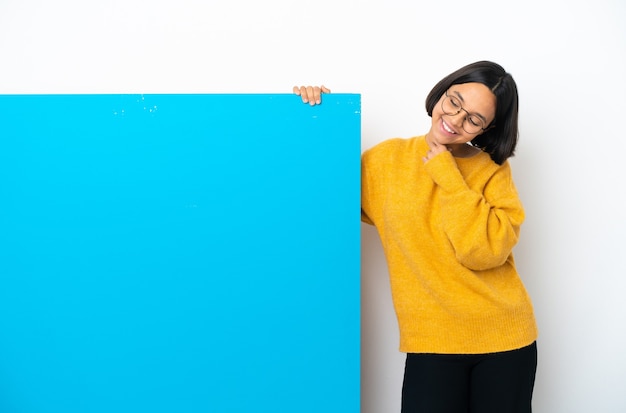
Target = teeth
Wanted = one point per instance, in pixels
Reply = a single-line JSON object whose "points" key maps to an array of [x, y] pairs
{"points": [[447, 128]]}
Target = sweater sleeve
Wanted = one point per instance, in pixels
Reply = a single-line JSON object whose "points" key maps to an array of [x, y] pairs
{"points": [[366, 183], [482, 227]]}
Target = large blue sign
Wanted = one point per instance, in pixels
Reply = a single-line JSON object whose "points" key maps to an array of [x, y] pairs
{"points": [[179, 253]]}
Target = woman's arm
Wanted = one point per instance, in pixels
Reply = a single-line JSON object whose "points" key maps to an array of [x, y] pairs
{"points": [[482, 227]]}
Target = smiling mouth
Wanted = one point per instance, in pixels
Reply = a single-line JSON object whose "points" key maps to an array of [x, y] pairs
{"points": [[447, 128]]}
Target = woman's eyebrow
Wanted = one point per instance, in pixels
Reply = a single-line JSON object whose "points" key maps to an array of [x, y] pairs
{"points": [[458, 94]]}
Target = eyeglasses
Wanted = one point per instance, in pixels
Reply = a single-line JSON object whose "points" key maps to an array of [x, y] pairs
{"points": [[451, 105]]}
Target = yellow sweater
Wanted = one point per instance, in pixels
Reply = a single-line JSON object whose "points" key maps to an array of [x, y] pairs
{"points": [[448, 228]]}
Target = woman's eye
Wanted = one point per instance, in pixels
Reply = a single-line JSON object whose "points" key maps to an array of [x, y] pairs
{"points": [[475, 121]]}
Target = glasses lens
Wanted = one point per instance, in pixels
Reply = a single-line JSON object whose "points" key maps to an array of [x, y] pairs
{"points": [[473, 124], [451, 105]]}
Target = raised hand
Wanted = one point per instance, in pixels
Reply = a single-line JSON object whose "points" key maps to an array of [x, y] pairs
{"points": [[311, 94]]}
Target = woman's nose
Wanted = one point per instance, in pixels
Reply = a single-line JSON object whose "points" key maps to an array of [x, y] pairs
{"points": [[459, 118]]}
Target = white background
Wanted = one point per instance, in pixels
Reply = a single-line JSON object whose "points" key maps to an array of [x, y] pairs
{"points": [[569, 61]]}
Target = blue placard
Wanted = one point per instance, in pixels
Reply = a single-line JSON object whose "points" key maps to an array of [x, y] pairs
{"points": [[179, 253]]}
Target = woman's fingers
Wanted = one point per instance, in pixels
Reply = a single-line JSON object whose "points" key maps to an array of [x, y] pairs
{"points": [[434, 149], [311, 94]]}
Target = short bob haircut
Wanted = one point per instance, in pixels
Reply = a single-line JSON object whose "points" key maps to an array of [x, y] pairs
{"points": [[500, 137]]}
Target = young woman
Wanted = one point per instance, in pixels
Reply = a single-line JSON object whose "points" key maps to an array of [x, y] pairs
{"points": [[448, 215]]}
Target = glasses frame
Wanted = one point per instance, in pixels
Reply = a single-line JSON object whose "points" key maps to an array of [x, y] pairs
{"points": [[461, 108]]}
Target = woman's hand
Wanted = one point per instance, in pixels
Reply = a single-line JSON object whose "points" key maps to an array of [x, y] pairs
{"points": [[434, 149], [311, 94]]}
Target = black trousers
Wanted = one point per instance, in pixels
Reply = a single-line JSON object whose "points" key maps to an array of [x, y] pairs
{"points": [[475, 383]]}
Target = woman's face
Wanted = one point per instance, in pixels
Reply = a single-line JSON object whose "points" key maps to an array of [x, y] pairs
{"points": [[464, 107]]}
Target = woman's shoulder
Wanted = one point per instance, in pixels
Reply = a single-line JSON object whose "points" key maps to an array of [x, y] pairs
{"points": [[397, 146]]}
